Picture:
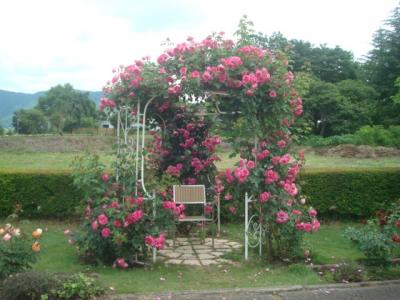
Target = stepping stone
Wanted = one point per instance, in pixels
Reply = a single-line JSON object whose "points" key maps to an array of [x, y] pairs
{"points": [[174, 261], [200, 247], [216, 253], [209, 250], [188, 256], [192, 262], [205, 256], [188, 247], [207, 262], [237, 246], [173, 255], [186, 251]]}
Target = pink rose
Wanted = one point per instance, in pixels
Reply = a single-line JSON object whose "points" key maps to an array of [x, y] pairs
{"points": [[183, 70], [103, 220], [7, 237], [315, 224], [281, 144], [95, 225], [307, 227], [233, 210], [228, 197], [241, 174], [250, 164], [195, 74], [162, 58], [117, 223], [296, 212], [271, 176], [105, 177], [282, 217], [120, 262], [264, 197], [272, 94], [285, 159], [312, 212], [105, 233], [290, 188]]}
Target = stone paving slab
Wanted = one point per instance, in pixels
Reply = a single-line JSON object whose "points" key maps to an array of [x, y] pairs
{"points": [[196, 252]]}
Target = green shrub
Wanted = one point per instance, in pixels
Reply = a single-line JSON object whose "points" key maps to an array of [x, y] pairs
{"points": [[78, 286], [34, 285], [339, 193], [371, 241], [348, 193], [27, 286], [41, 195], [367, 135], [379, 239]]}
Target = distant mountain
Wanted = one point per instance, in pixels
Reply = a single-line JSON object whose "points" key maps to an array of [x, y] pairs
{"points": [[12, 101]]}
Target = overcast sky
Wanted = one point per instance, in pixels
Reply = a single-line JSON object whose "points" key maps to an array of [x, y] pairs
{"points": [[47, 42]]}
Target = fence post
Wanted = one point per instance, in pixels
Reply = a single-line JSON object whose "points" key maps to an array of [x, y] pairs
{"points": [[246, 228]]}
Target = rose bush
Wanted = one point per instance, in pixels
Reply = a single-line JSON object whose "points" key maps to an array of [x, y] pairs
{"points": [[17, 251]]}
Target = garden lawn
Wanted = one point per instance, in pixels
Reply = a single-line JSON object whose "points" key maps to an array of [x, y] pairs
{"points": [[328, 245]]}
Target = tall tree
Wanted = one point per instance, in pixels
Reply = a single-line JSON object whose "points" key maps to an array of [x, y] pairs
{"points": [[383, 67], [29, 121], [67, 108]]}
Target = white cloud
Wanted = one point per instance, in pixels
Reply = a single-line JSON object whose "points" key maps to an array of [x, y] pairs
{"points": [[47, 42]]}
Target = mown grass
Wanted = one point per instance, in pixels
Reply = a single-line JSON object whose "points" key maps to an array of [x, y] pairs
{"points": [[61, 161], [328, 246]]}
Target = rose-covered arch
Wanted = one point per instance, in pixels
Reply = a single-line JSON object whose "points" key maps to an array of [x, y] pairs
{"points": [[252, 91]]}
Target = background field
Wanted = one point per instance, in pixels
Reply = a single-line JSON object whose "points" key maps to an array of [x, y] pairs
{"points": [[55, 153]]}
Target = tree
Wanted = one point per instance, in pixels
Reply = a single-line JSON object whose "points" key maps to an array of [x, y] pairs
{"points": [[29, 121], [383, 67], [360, 105], [67, 108], [339, 108]]}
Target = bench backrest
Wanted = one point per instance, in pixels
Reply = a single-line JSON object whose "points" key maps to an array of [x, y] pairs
{"points": [[190, 194]]}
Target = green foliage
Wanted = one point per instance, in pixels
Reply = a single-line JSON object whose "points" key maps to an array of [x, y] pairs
{"points": [[116, 220], [27, 286], [16, 253], [379, 239], [29, 121], [374, 243], [78, 286], [339, 108], [345, 272], [383, 67], [67, 109], [367, 135], [1, 130], [348, 193], [34, 285], [41, 194]]}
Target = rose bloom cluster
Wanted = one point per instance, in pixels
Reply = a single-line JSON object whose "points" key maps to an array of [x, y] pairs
{"points": [[9, 232]]}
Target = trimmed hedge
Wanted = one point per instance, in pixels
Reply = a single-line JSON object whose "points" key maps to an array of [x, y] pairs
{"points": [[351, 193], [334, 193], [42, 195]]}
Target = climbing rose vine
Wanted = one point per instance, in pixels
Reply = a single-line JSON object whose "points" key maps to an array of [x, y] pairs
{"points": [[252, 90]]}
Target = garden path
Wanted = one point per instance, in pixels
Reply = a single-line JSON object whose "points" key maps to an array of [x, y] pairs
{"points": [[195, 252]]}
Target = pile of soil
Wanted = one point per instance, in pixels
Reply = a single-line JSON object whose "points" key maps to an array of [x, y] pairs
{"points": [[355, 151]]}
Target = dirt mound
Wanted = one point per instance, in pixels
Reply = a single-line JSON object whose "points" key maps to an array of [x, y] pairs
{"points": [[361, 151]]}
